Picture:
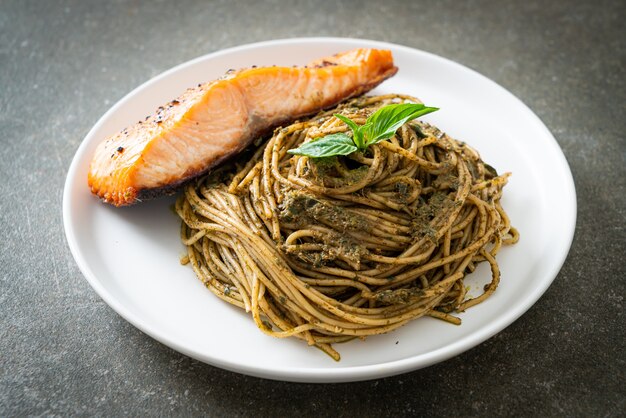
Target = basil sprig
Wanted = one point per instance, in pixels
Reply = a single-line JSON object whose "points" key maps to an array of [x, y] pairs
{"points": [[381, 125]]}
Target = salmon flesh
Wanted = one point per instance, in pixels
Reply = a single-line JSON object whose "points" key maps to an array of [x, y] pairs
{"points": [[213, 121]]}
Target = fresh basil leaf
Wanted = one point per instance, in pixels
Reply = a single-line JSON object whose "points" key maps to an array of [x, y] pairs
{"points": [[359, 136], [328, 146], [357, 131], [387, 120], [378, 127], [352, 124]]}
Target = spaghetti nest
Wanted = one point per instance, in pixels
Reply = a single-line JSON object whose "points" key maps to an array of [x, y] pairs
{"points": [[327, 250]]}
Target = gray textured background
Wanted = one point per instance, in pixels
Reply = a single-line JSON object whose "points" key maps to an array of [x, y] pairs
{"points": [[63, 64]]}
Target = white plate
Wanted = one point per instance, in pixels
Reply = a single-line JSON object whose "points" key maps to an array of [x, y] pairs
{"points": [[130, 255]]}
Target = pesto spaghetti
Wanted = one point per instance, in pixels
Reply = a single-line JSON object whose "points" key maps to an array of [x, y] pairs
{"points": [[331, 249]]}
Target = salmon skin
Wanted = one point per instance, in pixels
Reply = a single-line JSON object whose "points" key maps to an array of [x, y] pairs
{"points": [[213, 121]]}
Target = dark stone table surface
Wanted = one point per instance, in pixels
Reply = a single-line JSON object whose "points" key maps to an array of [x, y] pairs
{"points": [[63, 351]]}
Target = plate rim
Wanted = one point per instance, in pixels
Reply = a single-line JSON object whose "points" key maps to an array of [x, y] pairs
{"points": [[340, 374]]}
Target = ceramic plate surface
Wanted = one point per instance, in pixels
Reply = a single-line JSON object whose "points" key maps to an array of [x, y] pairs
{"points": [[130, 256]]}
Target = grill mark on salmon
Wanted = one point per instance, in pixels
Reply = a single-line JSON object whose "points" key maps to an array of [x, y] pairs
{"points": [[213, 121]]}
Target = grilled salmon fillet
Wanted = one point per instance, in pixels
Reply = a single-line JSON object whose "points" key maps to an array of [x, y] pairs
{"points": [[213, 121]]}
